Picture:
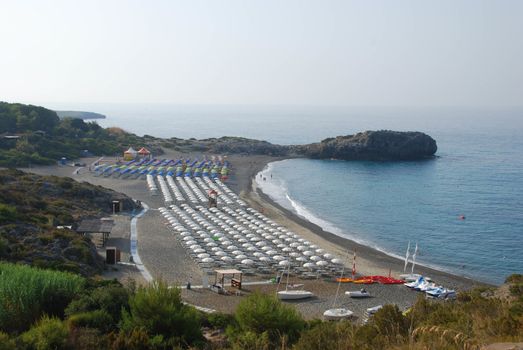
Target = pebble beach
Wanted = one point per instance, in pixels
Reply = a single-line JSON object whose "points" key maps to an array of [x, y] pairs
{"points": [[164, 256]]}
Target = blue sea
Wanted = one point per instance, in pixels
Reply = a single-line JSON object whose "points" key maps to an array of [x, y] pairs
{"points": [[478, 173]]}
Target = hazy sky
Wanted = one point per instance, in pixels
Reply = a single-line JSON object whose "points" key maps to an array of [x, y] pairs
{"points": [[262, 52]]}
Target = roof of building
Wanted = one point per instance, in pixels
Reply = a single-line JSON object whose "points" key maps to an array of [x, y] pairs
{"points": [[95, 226], [228, 271]]}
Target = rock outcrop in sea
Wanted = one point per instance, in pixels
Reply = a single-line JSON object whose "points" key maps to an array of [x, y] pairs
{"points": [[372, 145]]}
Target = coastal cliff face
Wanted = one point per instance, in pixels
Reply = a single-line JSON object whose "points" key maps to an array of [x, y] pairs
{"points": [[372, 145]]}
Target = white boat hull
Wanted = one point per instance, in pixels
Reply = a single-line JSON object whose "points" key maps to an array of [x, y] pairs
{"points": [[337, 314], [358, 294], [294, 294]]}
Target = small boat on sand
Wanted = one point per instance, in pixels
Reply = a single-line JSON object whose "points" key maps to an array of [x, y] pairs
{"points": [[337, 314], [340, 313], [294, 294], [358, 294]]}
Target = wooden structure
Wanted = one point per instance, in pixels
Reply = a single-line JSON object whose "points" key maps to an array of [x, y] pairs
{"points": [[112, 255], [96, 226], [219, 279], [213, 199]]}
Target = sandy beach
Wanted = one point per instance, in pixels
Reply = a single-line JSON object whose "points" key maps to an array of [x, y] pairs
{"points": [[165, 257]]}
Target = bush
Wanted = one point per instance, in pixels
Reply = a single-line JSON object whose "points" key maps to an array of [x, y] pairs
{"points": [[261, 313], [6, 343], [327, 336], [219, 320], [110, 298], [48, 334], [514, 278], [159, 311], [98, 319]]}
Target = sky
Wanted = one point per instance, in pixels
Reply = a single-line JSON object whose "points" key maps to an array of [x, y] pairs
{"points": [[268, 52]]}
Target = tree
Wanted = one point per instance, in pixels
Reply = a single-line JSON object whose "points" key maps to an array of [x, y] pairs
{"points": [[159, 310], [261, 313]]}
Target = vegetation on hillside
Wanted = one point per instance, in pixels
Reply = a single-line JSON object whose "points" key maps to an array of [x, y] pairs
{"points": [[41, 137], [31, 208], [62, 311]]}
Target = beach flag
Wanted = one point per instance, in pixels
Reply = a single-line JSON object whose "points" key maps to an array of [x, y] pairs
{"points": [[406, 258], [354, 265]]}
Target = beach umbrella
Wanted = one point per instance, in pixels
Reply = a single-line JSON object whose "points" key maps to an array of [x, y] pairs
{"points": [[237, 252], [242, 240], [289, 239], [225, 243], [278, 257], [308, 253], [216, 249], [199, 250], [309, 265], [203, 255], [232, 247], [185, 233], [271, 252], [195, 246], [266, 247], [301, 248], [245, 245], [221, 253], [261, 243], [322, 263], [258, 254], [284, 263], [207, 260], [319, 251], [294, 245], [226, 258], [208, 240], [211, 244], [190, 243], [281, 245], [255, 239], [286, 250], [315, 258], [240, 257], [337, 261], [294, 254], [247, 262], [251, 249], [188, 238], [301, 258], [276, 241], [270, 237], [265, 258], [328, 256]]}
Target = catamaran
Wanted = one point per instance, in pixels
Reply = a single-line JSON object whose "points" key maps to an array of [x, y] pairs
{"points": [[411, 277], [293, 294], [337, 314]]}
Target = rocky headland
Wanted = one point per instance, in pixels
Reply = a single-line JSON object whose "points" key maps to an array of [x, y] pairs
{"points": [[380, 145]]}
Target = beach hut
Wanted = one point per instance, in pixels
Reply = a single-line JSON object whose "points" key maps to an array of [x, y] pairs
{"points": [[130, 154], [144, 153]]}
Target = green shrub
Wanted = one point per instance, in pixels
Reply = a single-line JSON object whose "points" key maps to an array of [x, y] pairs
{"points": [[327, 336], [48, 334], [6, 342], [97, 319], [219, 320], [158, 310], [261, 313]]}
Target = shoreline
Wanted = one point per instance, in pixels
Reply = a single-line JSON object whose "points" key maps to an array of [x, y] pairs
{"points": [[368, 259]]}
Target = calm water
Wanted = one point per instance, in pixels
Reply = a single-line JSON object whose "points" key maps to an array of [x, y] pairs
{"points": [[479, 174]]}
